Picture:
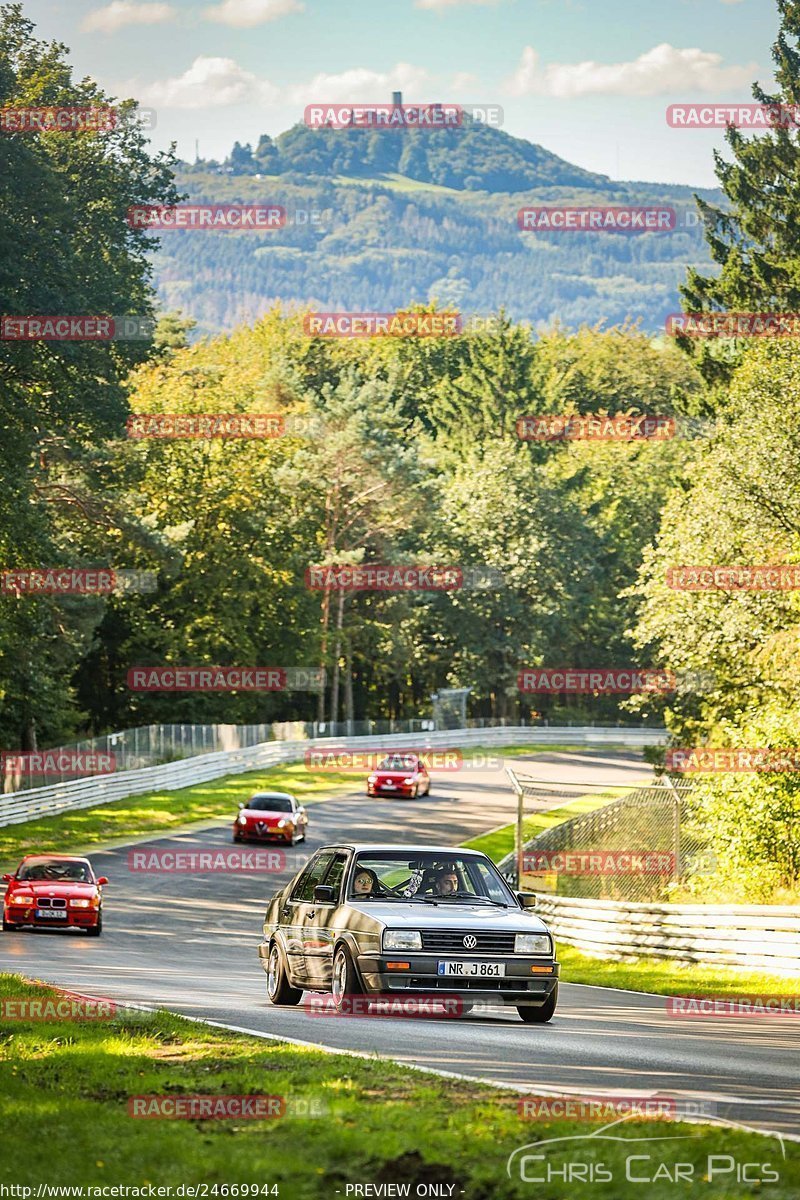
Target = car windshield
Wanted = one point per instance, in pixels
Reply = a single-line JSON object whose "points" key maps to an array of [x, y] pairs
{"points": [[427, 877], [399, 762], [270, 803], [54, 870]]}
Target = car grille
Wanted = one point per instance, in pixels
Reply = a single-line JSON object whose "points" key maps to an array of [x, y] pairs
{"points": [[451, 941], [46, 902]]}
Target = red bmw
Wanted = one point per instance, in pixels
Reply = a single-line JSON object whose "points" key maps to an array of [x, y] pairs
{"points": [[56, 891], [399, 775], [271, 816]]}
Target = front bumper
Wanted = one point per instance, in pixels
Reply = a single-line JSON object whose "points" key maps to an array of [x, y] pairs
{"points": [[376, 789], [519, 985], [244, 833], [85, 918]]}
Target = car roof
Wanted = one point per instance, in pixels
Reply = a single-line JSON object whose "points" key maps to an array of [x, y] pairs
{"points": [[272, 795], [62, 857], [383, 847]]}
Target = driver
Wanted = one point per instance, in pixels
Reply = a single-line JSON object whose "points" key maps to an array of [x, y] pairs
{"points": [[446, 882]]}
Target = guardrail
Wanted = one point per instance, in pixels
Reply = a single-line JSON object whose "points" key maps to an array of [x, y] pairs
{"points": [[16, 807], [760, 937]]}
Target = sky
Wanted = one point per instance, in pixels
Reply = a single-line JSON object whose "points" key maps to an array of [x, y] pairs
{"points": [[589, 80]]}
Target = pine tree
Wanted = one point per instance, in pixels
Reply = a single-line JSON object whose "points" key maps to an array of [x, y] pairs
{"points": [[756, 241]]}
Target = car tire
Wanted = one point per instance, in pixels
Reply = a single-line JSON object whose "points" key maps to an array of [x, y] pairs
{"points": [[415, 794], [279, 989], [96, 930], [538, 1016], [9, 927], [344, 979]]}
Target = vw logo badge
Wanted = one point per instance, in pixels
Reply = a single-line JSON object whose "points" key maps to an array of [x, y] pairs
{"points": [[470, 941]]}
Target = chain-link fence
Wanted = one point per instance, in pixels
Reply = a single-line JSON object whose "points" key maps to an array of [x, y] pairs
{"points": [[636, 843]]}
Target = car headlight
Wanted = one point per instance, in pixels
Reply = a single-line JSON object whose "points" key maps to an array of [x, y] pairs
{"points": [[409, 779], [283, 823], [372, 779], [241, 819], [80, 903], [402, 939], [20, 898], [532, 943]]}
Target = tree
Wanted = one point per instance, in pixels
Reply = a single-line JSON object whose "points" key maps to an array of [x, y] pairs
{"points": [[756, 241]]}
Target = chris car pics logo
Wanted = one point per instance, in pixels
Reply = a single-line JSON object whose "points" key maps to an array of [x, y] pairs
{"points": [[609, 1155]]}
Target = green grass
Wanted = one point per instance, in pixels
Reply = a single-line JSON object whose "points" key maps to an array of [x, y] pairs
{"points": [[65, 1088], [163, 812], [665, 978], [497, 843]]}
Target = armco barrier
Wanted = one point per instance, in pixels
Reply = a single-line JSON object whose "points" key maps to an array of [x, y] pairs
{"points": [[760, 937], [16, 807]]}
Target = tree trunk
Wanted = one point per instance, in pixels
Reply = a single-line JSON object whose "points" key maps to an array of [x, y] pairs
{"points": [[348, 689], [336, 656]]}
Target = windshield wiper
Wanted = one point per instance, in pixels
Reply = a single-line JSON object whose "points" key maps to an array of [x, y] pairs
{"points": [[476, 899]]}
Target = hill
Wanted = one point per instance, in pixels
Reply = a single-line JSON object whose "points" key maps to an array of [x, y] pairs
{"points": [[380, 218]]}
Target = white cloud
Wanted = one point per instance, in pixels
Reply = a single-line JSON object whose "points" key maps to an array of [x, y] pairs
{"points": [[361, 84], [126, 12], [245, 14], [663, 69], [208, 83]]}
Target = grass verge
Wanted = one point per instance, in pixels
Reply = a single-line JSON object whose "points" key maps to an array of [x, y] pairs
{"points": [[66, 1087]]}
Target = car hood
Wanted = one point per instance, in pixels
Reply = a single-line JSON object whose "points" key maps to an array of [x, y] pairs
{"points": [[263, 814], [453, 916], [46, 887], [395, 775]]}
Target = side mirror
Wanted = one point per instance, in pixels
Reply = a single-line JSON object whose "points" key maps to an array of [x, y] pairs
{"points": [[527, 899], [241, 804], [8, 878], [324, 894], [102, 880]]}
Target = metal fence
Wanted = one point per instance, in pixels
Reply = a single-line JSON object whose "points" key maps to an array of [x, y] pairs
{"points": [[152, 745], [638, 846]]}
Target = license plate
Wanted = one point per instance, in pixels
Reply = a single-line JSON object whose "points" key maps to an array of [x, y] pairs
{"points": [[51, 914], [485, 970], [389, 785]]}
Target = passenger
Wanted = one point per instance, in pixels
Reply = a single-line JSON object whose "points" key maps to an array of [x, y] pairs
{"points": [[365, 883]]}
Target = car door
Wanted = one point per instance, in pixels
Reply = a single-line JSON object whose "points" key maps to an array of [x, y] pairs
{"points": [[318, 935], [293, 912]]}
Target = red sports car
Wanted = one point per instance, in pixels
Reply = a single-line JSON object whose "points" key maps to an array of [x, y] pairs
{"points": [[54, 891], [400, 775], [271, 816]]}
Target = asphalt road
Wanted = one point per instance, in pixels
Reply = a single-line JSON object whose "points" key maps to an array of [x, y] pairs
{"points": [[188, 942]]}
